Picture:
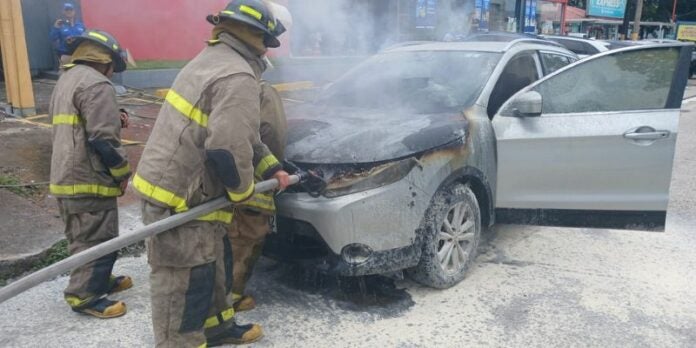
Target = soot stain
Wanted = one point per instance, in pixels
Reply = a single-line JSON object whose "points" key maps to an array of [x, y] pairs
{"points": [[297, 286]]}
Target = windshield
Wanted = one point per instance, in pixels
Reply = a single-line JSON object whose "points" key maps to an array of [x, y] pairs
{"points": [[421, 81]]}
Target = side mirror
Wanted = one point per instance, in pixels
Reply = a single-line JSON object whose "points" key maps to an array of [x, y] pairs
{"points": [[528, 104]]}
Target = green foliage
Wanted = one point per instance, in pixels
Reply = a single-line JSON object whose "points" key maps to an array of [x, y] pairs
{"points": [[661, 10], [11, 182], [577, 3], [56, 253]]}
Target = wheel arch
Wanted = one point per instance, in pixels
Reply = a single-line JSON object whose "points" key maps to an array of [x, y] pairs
{"points": [[481, 187]]}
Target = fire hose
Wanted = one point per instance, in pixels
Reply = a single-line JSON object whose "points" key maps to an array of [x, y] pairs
{"points": [[112, 245]]}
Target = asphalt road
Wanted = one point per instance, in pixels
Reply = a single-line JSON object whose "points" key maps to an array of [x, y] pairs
{"points": [[531, 286]]}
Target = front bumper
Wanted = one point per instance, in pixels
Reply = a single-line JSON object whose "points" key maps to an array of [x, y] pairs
{"points": [[385, 220]]}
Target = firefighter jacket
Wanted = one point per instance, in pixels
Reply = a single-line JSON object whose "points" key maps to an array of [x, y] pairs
{"points": [[274, 134], [88, 159], [206, 140]]}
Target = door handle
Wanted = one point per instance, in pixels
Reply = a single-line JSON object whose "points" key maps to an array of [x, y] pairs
{"points": [[654, 135]]}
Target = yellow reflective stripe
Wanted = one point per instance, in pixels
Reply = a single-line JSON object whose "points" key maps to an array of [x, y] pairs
{"points": [[262, 201], [227, 12], [251, 11], [204, 345], [215, 321], [76, 302], [186, 108], [98, 36], [66, 119], [119, 172], [238, 197], [265, 164], [219, 215], [85, 189], [271, 25], [159, 194]]}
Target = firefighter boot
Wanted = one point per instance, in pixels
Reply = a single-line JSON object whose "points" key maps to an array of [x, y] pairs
{"points": [[243, 303], [120, 283], [102, 308], [231, 333]]}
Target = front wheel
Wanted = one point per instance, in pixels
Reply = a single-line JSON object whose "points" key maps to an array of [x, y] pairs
{"points": [[452, 234]]}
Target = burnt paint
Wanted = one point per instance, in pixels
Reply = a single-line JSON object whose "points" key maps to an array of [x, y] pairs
{"points": [[327, 135]]}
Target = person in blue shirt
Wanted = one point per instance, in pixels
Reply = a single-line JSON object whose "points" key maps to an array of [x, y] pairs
{"points": [[64, 29]]}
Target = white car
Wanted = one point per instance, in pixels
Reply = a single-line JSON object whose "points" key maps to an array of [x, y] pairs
{"points": [[426, 145]]}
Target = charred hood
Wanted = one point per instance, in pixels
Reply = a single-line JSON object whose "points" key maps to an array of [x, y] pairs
{"points": [[328, 135]]}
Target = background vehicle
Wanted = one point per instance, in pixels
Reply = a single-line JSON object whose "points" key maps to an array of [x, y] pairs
{"points": [[580, 46], [413, 180]]}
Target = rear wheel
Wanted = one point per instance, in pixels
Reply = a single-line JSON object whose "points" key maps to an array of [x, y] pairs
{"points": [[452, 234]]}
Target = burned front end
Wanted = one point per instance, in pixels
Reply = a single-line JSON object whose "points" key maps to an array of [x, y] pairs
{"points": [[367, 219]]}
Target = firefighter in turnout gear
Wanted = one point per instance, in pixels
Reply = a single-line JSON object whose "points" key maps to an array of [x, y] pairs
{"points": [[206, 144], [89, 168], [254, 218]]}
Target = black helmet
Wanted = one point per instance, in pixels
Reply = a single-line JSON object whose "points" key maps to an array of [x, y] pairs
{"points": [[254, 13], [105, 39]]}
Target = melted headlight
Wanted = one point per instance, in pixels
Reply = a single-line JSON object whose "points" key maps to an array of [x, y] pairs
{"points": [[363, 179]]}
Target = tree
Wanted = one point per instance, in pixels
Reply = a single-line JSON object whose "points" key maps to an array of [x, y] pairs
{"points": [[661, 10]]}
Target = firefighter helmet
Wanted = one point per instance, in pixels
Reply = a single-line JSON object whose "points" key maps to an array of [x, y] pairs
{"points": [[105, 39], [254, 13]]}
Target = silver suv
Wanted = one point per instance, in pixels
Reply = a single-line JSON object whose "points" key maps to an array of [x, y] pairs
{"points": [[426, 145]]}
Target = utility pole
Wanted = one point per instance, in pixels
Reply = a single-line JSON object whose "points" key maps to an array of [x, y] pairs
{"points": [[20, 95], [674, 12], [623, 33], [636, 20]]}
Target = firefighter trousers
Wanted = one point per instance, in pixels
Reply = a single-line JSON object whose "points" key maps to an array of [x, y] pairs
{"points": [[247, 233], [190, 280], [89, 222]]}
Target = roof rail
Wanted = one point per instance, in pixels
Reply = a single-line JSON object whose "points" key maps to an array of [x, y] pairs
{"points": [[406, 44], [536, 41]]}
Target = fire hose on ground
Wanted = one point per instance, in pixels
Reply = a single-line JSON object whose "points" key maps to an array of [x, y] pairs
{"points": [[110, 246]]}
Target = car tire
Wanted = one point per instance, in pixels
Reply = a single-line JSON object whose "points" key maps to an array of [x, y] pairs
{"points": [[445, 232]]}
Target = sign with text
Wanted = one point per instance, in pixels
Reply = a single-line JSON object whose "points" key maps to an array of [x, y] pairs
{"points": [[686, 31], [606, 8]]}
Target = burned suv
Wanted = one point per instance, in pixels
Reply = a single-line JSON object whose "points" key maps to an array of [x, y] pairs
{"points": [[423, 146]]}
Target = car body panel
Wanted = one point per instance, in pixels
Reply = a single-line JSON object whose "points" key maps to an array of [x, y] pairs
{"points": [[584, 160]]}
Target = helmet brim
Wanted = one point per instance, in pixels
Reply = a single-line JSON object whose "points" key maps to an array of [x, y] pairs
{"points": [[118, 61], [269, 39]]}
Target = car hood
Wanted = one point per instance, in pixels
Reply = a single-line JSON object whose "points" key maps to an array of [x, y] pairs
{"points": [[328, 135]]}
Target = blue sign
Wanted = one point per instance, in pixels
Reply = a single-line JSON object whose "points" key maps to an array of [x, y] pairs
{"points": [[530, 11], [606, 8], [426, 14]]}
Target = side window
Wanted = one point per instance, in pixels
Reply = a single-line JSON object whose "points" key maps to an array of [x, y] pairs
{"points": [[573, 46], [619, 82], [589, 49], [520, 72], [553, 62]]}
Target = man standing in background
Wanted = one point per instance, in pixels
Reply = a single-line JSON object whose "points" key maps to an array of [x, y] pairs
{"points": [[64, 30]]}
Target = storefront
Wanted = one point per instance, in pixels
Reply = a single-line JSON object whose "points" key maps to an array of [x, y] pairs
{"points": [[357, 27]]}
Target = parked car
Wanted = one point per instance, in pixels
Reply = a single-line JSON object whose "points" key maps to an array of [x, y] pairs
{"points": [[426, 145], [580, 46]]}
